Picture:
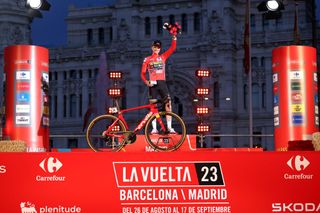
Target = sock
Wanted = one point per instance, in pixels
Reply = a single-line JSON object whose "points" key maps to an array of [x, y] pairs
{"points": [[169, 121], [154, 124]]}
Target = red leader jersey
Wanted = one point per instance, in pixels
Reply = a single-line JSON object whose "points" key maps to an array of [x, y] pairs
{"points": [[156, 64]]}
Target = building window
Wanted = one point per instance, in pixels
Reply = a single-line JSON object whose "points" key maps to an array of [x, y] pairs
{"points": [[89, 37], [90, 99], [101, 35], [64, 106], [80, 105], [73, 105], [89, 73], [64, 75], [110, 34], [96, 71], [262, 62], [80, 74], [73, 74], [253, 21], [216, 94], [196, 21], [184, 23], [56, 76], [255, 96], [263, 95], [159, 25], [147, 26], [171, 19], [265, 22], [55, 106], [245, 96], [254, 62]]}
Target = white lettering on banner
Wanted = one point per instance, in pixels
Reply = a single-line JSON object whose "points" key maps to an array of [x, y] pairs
{"points": [[295, 207], [59, 209], [50, 178], [207, 209], [157, 174], [298, 177], [148, 194], [3, 169], [207, 194]]}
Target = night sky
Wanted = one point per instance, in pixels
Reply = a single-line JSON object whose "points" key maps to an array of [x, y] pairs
{"points": [[51, 30]]}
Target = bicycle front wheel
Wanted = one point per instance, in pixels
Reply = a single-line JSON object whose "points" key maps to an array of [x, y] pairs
{"points": [[106, 134], [165, 140]]}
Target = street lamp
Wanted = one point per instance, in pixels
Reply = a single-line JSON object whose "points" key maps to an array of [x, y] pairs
{"points": [[34, 7], [272, 8]]}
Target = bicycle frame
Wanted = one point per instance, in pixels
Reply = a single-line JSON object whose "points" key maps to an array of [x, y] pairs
{"points": [[153, 110]]}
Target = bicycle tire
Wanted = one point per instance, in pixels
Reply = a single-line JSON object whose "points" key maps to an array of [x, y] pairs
{"points": [[165, 141], [98, 142]]}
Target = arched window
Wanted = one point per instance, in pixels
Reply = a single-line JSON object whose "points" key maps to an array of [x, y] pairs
{"points": [[147, 26], [159, 25], [184, 23], [171, 19], [216, 94], [196, 21]]}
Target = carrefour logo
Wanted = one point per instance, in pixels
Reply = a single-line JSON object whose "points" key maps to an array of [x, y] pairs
{"points": [[50, 165], [298, 163]]}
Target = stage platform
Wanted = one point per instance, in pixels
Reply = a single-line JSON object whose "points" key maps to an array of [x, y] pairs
{"points": [[141, 145], [187, 181]]}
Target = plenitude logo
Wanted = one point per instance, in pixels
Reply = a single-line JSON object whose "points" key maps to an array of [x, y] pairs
{"points": [[51, 165], [28, 207]]}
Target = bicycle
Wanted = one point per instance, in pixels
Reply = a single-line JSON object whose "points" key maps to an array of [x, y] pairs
{"points": [[109, 132]]}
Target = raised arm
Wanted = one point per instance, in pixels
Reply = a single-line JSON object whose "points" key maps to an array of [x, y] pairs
{"points": [[172, 48]]}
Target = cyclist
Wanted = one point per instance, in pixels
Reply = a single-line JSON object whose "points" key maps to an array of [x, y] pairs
{"points": [[155, 64]]}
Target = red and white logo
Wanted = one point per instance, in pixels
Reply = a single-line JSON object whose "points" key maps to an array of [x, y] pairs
{"points": [[50, 164], [27, 207], [298, 163]]}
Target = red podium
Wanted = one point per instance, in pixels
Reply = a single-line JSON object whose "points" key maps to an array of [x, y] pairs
{"points": [[26, 92], [295, 89]]}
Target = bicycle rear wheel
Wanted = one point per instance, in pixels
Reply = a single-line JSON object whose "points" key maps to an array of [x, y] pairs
{"points": [[164, 140], [106, 134]]}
